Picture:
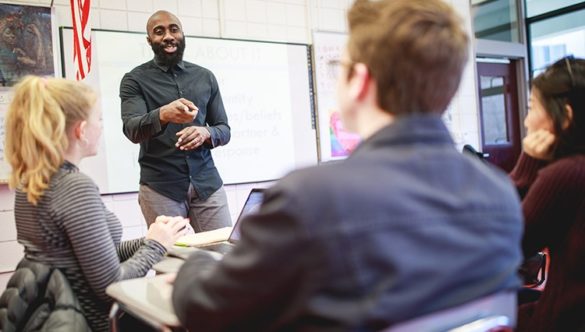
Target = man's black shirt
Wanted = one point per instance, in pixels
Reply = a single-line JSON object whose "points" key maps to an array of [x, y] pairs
{"points": [[164, 167]]}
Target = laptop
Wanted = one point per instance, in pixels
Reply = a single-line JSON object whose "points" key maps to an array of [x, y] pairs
{"points": [[252, 204]]}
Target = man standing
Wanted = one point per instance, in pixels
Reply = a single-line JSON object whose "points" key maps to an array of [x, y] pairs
{"points": [[404, 227], [174, 109]]}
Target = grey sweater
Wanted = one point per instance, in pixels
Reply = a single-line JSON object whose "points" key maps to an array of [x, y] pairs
{"points": [[71, 229]]}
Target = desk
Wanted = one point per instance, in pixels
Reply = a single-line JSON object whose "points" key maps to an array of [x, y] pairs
{"points": [[168, 265], [146, 298], [177, 256], [149, 299]]}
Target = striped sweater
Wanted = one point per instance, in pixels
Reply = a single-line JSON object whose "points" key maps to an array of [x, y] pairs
{"points": [[72, 230]]}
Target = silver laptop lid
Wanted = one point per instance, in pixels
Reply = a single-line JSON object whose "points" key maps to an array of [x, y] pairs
{"points": [[251, 205]]}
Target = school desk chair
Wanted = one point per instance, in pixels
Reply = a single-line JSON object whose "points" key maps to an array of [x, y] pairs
{"points": [[493, 313]]}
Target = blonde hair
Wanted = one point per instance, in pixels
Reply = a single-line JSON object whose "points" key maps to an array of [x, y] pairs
{"points": [[39, 116], [415, 50]]}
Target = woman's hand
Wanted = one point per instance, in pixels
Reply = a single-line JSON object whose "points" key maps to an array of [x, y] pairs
{"points": [[166, 230], [539, 144]]}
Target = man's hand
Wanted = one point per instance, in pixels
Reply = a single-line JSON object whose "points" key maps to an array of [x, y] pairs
{"points": [[178, 111], [170, 278], [539, 144], [192, 137]]}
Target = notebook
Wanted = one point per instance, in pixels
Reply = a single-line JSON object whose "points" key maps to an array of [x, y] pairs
{"points": [[215, 240]]}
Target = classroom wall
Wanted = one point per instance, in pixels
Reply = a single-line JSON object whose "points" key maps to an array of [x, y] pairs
{"points": [[270, 20]]}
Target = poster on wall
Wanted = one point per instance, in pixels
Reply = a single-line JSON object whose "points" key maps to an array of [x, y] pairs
{"points": [[26, 48], [26, 45], [335, 142]]}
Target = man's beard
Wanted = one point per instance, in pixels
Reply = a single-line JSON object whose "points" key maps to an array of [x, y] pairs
{"points": [[166, 59]]}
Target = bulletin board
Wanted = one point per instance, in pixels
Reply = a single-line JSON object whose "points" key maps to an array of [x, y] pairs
{"points": [[334, 141]]}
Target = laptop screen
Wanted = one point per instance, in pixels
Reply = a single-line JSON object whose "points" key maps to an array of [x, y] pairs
{"points": [[251, 205]]}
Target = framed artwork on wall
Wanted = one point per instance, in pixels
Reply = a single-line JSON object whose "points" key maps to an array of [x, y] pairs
{"points": [[26, 48]]}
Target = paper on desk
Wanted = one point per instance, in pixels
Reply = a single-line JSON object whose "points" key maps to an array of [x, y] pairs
{"points": [[198, 239]]}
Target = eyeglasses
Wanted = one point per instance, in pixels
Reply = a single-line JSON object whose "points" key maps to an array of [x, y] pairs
{"points": [[570, 70], [334, 67]]}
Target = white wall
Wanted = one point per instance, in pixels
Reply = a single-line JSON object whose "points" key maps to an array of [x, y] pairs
{"points": [[270, 20]]}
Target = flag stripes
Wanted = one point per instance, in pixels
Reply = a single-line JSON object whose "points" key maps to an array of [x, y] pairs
{"points": [[81, 37]]}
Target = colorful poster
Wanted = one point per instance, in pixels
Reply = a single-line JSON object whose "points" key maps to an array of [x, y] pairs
{"points": [[26, 45], [334, 141], [342, 142]]}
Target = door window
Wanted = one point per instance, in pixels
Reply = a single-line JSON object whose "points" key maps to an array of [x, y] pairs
{"points": [[493, 103]]}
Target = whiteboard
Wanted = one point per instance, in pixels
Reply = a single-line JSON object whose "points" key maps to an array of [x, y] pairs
{"points": [[265, 89]]}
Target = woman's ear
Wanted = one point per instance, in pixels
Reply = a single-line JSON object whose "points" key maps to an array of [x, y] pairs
{"points": [[79, 129], [569, 118]]}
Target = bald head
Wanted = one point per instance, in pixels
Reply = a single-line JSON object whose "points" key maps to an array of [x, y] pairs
{"points": [[161, 17], [165, 37]]}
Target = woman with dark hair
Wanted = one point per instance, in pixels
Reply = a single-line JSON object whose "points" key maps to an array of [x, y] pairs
{"points": [[550, 177]]}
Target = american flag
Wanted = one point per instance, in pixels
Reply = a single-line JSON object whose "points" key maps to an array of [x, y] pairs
{"points": [[81, 37]]}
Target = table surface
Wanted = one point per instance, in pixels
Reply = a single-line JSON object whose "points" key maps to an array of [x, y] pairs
{"points": [[150, 298], [168, 265], [147, 298]]}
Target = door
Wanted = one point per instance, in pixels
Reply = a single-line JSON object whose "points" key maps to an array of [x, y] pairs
{"points": [[499, 114]]}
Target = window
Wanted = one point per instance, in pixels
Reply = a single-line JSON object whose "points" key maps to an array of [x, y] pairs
{"points": [[555, 37], [493, 103], [538, 7], [495, 20]]}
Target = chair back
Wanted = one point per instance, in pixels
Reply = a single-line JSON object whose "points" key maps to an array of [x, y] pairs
{"points": [[491, 324], [497, 308], [533, 270], [473, 152]]}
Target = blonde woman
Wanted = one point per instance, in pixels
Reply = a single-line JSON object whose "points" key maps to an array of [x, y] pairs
{"points": [[51, 125]]}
